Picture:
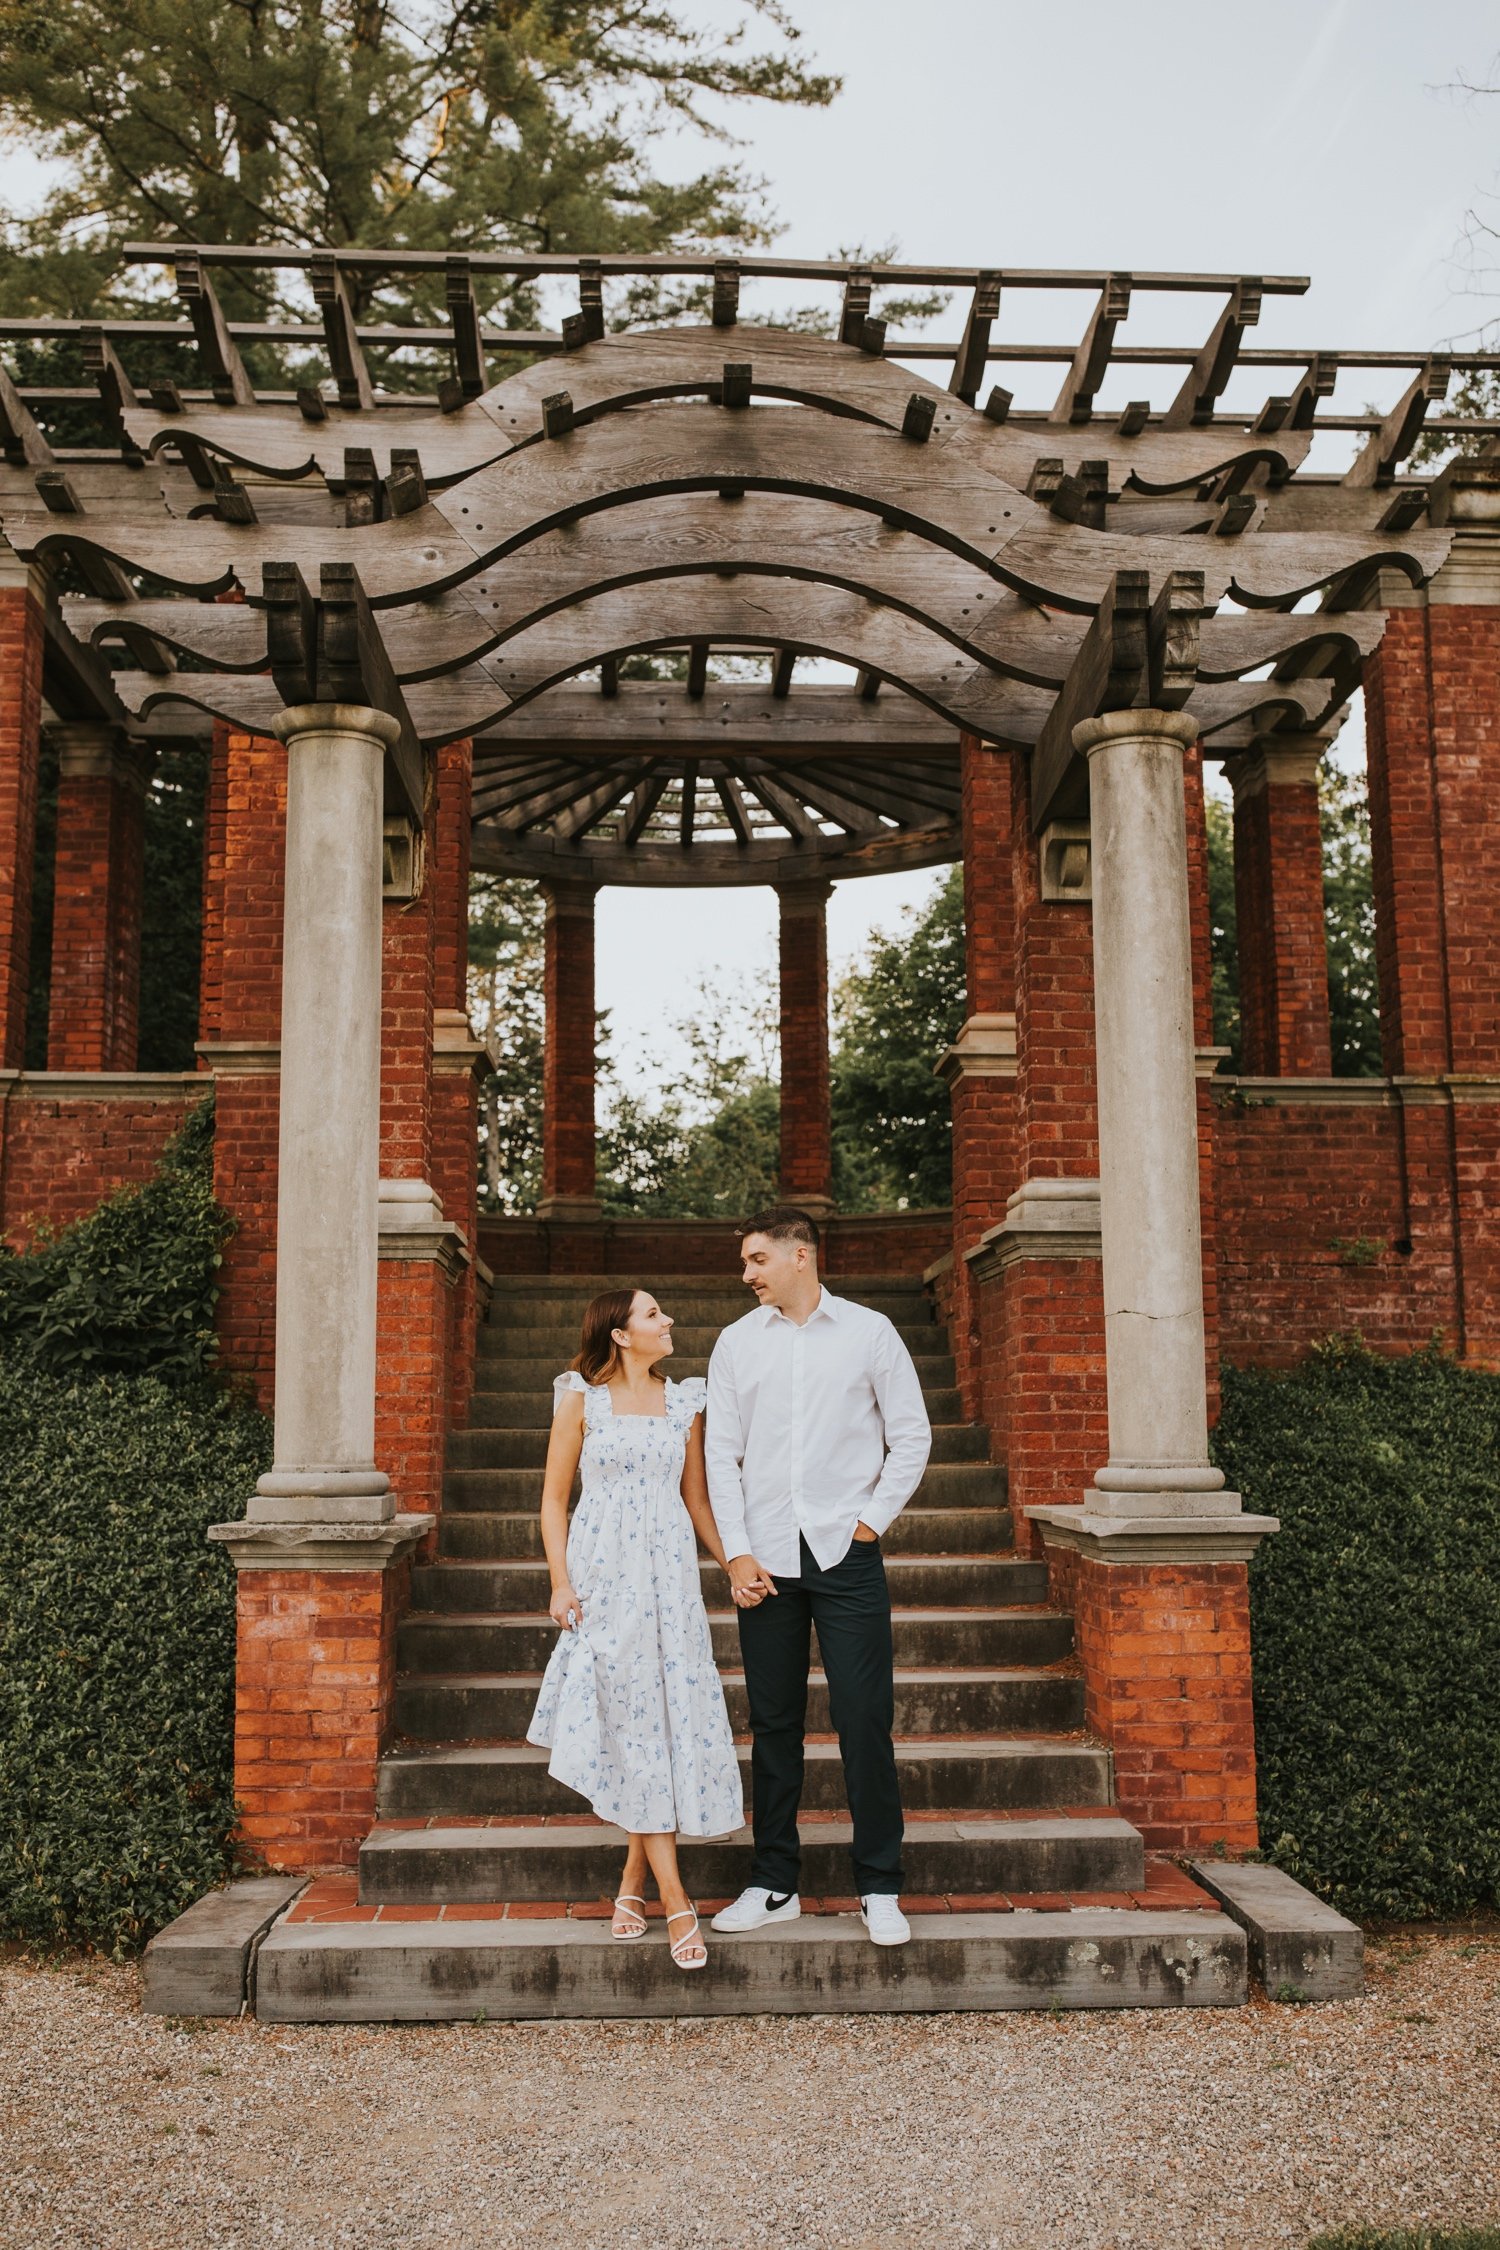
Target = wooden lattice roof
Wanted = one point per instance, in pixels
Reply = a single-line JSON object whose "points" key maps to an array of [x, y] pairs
{"points": [[482, 557]]}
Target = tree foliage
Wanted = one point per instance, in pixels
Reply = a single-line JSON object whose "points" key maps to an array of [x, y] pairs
{"points": [[895, 1013], [1348, 915], [529, 125], [506, 958]]}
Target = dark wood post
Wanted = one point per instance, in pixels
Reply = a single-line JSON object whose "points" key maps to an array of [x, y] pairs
{"points": [[806, 1127]]}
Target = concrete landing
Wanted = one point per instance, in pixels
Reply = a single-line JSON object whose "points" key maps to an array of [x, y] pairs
{"points": [[385, 1971]]}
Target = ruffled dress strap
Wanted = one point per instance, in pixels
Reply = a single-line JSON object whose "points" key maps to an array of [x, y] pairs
{"points": [[571, 1380], [686, 1399]]}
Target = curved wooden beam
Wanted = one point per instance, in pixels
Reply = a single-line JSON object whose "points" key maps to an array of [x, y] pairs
{"points": [[932, 491]]}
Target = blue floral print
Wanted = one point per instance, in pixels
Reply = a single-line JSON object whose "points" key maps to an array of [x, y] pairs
{"points": [[631, 1706]]}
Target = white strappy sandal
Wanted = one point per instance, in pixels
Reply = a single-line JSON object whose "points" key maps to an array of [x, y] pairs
{"points": [[682, 1949], [625, 1911]]}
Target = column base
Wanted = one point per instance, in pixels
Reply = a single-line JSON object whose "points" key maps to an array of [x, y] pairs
{"points": [[819, 1208], [322, 1496], [330, 1545], [584, 1209], [1163, 1537]]}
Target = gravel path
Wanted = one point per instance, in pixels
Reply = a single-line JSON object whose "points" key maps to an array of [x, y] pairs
{"points": [[1251, 2127]]}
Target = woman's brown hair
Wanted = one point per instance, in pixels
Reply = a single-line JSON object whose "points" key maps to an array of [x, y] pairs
{"points": [[599, 1354]]}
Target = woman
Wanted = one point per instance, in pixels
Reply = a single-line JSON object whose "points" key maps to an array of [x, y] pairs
{"points": [[631, 1706]]}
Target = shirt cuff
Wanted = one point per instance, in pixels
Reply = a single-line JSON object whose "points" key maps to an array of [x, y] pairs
{"points": [[879, 1514]]}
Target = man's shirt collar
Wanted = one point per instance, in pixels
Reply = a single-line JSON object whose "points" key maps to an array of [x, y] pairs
{"points": [[826, 1308]]}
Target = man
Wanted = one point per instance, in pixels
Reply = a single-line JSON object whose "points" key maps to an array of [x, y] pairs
{"points": [[817, 1437]]}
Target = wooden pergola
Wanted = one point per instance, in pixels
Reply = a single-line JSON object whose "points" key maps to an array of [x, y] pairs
{"points": [[484, 560]]}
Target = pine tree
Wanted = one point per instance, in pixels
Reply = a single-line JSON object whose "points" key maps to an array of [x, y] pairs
{"points": [[529, 125]]}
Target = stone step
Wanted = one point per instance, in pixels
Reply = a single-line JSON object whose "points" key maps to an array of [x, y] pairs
{"points": [[968, 1773], [946, 1581], [1060, 1852], [945, 1484], [486, 1706], [564, 1308], [497, 1443], [441, 1972], [454, 1641], [475, 1535], [718, 1293], [531, 1409], [725, 1278], [531, 1373], [558, 1340]]}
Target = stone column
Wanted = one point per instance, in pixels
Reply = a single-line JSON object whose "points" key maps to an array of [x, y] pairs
{"points": [[1278, 889], [327, 1208], [21, 637], [1153, 1563], [569, 1161], [1148, 1122], [806, 1126], [94, 1017]]}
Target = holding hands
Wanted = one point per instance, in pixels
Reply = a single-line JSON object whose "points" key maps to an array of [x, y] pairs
{"points": [[749, 1581]]}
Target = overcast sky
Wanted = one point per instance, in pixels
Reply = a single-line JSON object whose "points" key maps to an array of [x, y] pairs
{"points": [[1317, 137]]}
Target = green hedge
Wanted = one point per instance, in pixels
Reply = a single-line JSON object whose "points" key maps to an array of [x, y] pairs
{"points": [[116, 1617], [130, 1289], [1376, 1624], [1408, 2238]]}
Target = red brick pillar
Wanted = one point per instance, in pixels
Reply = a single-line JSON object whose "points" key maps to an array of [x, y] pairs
{"points": [[1278, 893], [569, 1168], [419, 1245], [240, 1033], [806, 1124], [457, 1060], [1037, 1271], [980, 1067], [1433, 705], [93, 1020], [20, 721]]}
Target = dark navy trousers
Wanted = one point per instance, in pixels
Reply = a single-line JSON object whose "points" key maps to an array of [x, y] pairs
{"points": [[851, 1608]]}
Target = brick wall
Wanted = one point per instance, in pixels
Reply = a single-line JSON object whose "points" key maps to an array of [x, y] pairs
{"points": [[20, 719], [902, 1244], [806, 1132], [314, 1675], [568, 1150], [64, 1151], [1166, 1660], [94, 1016], [1283, 947], [244, 871]]}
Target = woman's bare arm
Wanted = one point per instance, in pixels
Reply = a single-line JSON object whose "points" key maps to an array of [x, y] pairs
{"points": [[564, 1446], [696, 1501]]}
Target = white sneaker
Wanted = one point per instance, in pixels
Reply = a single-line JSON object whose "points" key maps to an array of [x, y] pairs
{"points": [[883, 1918], [757, 1906]]}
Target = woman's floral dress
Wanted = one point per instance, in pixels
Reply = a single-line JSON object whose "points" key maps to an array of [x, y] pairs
{"points": [[631, 1705]]}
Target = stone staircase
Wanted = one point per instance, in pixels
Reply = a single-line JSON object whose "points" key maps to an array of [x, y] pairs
{"points": [[484, 1887]]}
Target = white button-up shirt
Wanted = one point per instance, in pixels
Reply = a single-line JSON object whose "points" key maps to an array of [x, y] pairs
{"points": [[811, 1429]]}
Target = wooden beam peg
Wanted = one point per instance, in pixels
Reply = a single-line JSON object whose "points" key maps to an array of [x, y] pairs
{"points": [[557, 414], [609, 676], [345, 354], [855, 310], [872, 338], [1133, 418], [734, 391], [726, 301], [463, 316], [311, 404], [591, 298], [697, 679], [999, 403], [166, 398], [1046, 475], [1408, 508], [781, 672], [57, 494], [917, 421], [217, 349], [406, 486], [1236, 514]]}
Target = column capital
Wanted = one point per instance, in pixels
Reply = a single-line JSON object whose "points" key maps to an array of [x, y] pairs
{"points": [[335, 718], [99, 750], [1279, 761], [569, 894], [1091, 735], [809, 895]]}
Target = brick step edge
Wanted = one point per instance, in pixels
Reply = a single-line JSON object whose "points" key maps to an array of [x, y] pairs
{"points": [[405, 1972]]}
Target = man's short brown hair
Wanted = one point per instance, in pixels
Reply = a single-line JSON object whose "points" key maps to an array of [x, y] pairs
{"points": [[783, 1223]]}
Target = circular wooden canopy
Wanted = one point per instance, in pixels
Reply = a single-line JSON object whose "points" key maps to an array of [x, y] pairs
{"points": [[485, 570]]}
